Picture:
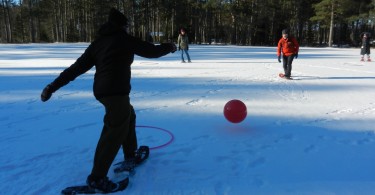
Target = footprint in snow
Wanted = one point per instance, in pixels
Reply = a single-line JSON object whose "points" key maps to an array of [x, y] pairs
{"points": [[194, 102], [258, 162], [310, 148]]}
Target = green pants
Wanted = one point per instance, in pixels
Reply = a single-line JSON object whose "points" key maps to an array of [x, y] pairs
{"points": [[118, 130]]}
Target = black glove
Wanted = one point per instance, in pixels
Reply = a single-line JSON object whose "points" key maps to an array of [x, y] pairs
{"points": [[170, 46], [174, 48], [179, 48], [296, 55], [47, 93], [279, 59]]}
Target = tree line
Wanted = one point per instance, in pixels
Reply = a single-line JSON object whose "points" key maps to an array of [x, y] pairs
{"points": [[239, 22]]}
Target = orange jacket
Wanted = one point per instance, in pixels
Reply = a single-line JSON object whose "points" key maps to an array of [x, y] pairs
{"points": [[288, 46]]}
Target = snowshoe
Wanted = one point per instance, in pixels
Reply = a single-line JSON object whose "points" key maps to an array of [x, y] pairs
{"points": [[129, 164], [102, 186], [281, 75]]}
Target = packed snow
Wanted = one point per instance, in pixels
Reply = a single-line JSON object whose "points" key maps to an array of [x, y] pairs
{"points": [[311, 135]]}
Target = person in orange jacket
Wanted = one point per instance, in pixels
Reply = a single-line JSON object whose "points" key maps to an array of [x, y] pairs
{"points": [[289, 47]]}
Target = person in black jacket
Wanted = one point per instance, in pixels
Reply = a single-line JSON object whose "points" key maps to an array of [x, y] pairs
{"points": [[365, 47], [112, 54]]}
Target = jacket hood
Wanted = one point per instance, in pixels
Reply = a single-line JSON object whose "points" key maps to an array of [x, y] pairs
{"points": [[117, 18], [116, 23]]}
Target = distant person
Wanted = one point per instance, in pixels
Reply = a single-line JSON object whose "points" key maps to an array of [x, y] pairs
{"points": [[112, 53], [288, 47], [365, 46], [183, 45]]}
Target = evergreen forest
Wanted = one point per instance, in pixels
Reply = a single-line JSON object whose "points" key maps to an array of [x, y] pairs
{"points": [[238, 22]]}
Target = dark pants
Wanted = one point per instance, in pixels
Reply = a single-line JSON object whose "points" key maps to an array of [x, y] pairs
{"points": [[365, 50], [118, 130], [187, 54], [287, 65]]}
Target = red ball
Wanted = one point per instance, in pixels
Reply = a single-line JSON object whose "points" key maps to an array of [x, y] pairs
{"points": [[235, 111]]}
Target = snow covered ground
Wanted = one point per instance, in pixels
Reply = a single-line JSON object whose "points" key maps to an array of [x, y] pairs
{"points": [[311, 135]]}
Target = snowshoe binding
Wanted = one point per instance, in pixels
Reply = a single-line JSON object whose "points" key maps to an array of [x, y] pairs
{"points": [[129, 164]]}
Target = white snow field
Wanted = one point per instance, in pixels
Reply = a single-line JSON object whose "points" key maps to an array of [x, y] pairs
{"points": [[311, 135]]}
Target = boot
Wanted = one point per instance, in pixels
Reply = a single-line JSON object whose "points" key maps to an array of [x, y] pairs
{"points": [[102, 184]]}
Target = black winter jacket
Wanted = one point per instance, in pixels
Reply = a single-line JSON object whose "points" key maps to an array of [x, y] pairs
{"points": [[112, 53], [365, 47]]}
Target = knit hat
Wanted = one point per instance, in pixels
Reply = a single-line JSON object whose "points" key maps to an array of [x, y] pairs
{"points": [[285, 31], [117, 18]]}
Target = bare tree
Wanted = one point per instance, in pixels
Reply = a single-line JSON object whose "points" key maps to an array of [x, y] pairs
{"points": [[7, 20]]}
